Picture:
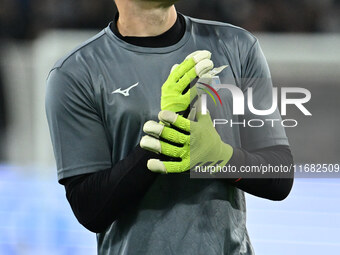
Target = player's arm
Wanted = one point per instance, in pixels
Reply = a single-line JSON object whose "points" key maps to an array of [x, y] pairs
{"points": [[267, 145], [98, 199], [96, 190], [270, 188]]}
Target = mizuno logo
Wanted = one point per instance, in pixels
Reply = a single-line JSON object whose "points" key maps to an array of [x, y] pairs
{"points": [[125, 92]]}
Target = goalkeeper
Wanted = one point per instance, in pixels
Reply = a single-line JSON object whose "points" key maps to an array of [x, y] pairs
{"points": [[101, 96]]}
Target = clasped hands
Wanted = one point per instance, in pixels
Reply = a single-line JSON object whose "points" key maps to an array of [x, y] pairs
{"points": [[191, 141]]}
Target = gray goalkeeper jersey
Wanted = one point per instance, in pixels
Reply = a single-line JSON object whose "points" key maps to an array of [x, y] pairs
{"points": [[100, 95]]}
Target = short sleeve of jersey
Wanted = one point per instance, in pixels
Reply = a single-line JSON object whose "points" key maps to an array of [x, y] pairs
{"points": [[78, 136], [260, 131]]}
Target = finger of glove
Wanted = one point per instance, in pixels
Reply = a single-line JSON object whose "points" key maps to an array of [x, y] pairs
{"points": [[187, 78], [157, 166], [153, 128], [174, 67], [175, 119], [203, 67], [172, 150], [159, 130], [155, 145], [206, 76], [179, 70], [151, 144], [173, 135], [199, 55]]}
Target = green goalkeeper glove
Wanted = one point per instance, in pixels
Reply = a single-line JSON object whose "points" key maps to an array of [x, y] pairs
{"points": [[195, 65], [197, 144]]}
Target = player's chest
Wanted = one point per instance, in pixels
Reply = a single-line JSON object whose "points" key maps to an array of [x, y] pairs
{"points": [[130, 95]]}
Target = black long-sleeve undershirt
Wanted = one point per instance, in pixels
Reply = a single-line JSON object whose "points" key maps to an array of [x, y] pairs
{"points": [[277, 188], [99, 198]]}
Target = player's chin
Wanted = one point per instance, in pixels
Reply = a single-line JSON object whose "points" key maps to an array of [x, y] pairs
{"points": [[162, 2]]}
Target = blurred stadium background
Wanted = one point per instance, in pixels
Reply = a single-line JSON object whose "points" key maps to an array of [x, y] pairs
{"points": [[301, 41]]}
